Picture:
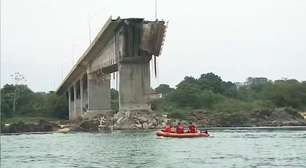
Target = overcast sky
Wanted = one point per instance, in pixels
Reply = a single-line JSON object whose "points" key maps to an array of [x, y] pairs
{"points": [[235, 39]]}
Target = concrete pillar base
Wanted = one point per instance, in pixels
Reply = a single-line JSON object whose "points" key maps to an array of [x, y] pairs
{"points": [[135, 107], [136, 119]]}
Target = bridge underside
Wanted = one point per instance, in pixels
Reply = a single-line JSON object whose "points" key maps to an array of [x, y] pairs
{"points": [[90, 95]]}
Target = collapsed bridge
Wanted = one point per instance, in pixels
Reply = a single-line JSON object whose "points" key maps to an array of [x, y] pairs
{"points": [[123, 47]]}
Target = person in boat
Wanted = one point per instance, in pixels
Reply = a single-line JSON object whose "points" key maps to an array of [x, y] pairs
{"points": [[167, 127], [192, 128], [180, 128]]}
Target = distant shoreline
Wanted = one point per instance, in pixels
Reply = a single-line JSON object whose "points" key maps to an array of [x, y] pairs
{"points": [[259, 128]]}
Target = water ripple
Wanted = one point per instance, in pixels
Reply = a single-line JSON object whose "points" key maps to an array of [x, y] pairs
{"points": [[227, 148]]}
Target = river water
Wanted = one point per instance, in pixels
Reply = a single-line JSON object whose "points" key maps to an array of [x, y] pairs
{"points": [[226, 148]]}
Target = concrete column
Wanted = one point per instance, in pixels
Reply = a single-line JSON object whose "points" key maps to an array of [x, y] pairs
{"points": [[98, 94], [78, 109], [88, 92], [84, 93], [69, 103], [75, 101], [81, 95], [134, 87]]}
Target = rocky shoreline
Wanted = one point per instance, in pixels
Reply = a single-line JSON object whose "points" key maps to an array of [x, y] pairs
{"points": [[127, 120], [259, 118], [138, 120], [21, 127]]}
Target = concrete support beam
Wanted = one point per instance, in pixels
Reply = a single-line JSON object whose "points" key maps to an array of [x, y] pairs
{"points": [[134, 87], [99, 100]]}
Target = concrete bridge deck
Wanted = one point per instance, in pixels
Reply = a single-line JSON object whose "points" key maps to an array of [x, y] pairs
{"points": [[125, 46]]}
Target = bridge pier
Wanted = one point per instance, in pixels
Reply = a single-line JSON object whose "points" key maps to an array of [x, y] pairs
{"points": [[77, 100], [71, 102], [84, 93], [98, 94], [134, 87]]}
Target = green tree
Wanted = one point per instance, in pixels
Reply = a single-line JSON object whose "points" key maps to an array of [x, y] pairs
{"points": [[186, 95], [208, 98], [57, 106], [229, 89], [114, 94], [114, 100], [188, 80], [28, 103], [286, 93], [22, 96], [210, 81], [7, 98], [164, 89]]}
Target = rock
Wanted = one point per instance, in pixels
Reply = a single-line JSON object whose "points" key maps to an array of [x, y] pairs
{"points": [[145, 125], [138, 125], [20, 127], [137, 119], [89, 125], [164, 116], [142, 119], [303, 114], [45, 126], [277, 117], [101, 122], [61, 126], [64, 130]]}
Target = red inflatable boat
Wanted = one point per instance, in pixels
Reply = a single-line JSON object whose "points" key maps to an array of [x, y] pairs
{"points": [[184, 135]]}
